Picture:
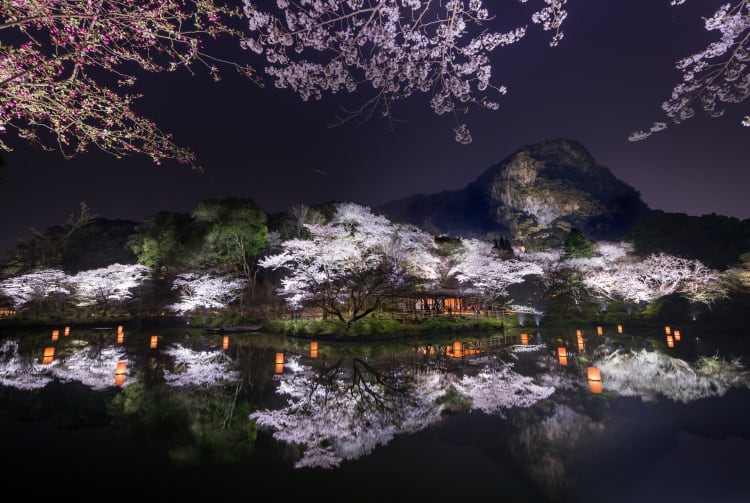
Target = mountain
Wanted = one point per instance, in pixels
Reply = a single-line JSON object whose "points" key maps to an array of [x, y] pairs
{"points": [[532, 197]]}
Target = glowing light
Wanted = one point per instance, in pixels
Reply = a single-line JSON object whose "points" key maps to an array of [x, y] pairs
{"points": [[225, 343], [48, 355], [55, 335], [154, 341], [670, 341], [525, 339], [667, 330], [314, 349], [677, 335], [66, 332], [120, 337], [279, 358], [562, 356], [579, 333], [594, 374], [619, 329], [599, 330], [120, 373]]}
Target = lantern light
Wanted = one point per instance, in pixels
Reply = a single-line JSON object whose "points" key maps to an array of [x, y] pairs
{"points": [[677, 335], [524, 339], [594, 374], [619, 329], [579, 333], [279, 358], [120, 372], [66, 332], [670, 341], [120, 337], [55, 334], [225, 343], [599, 331], [313, 349], [595, 387], [48, 355], [154, 341], [667, 330]]}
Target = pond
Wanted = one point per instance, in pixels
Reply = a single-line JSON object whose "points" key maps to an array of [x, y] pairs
{"points": [[135, 412]]}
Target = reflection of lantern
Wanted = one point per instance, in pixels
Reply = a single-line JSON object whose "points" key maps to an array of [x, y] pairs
{"points": [[599, 331], [619, 329], [55, 334], [120, 337], [595, 387], [154, 341], [314, 349], [225, 343], [667, 330], [120, 374], [524, 339], [562, 356], [670, 341], [48, 356], [594, 374], [279, 368], [67, 331]]}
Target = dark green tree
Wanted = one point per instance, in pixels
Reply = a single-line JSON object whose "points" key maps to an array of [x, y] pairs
{"points": [[577, 246]]}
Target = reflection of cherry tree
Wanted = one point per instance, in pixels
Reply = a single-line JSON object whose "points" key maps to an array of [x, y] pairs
{"points": [[92, 367], [480, 266], [349, 265], [204, 291], [650, 374], [198, 368], [336, 418], [108, 286], [35, 287], [397, 48]]}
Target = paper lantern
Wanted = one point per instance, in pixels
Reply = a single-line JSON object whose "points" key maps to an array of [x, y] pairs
{"points": [[562, 356], [619, 329], [48, 355], [524, 339], [55, 335], [667, 330], [66, 332], [279, 358], [120, 372], [314, 349], [154, 341], [581, 346], [580, 339], [279, 368], [677, 335], [457, 347], [119, 328], [595, 387], [670, 341], [599, 331], [594, 374], [225, 343], [579, 333], [120, 337]]}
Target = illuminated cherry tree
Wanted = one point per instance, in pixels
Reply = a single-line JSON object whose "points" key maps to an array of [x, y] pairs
{"points": [[204, 291], [64, 64], [35, 287], [657, 276], [109, 286], [714, 76], [349, 265], [480, 266], [393, 48]]}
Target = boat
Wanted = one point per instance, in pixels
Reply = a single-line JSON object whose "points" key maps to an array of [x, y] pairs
{"points": [[236, 328]]}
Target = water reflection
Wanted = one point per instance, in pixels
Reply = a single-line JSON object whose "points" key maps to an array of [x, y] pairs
{"points": [[336, 402]]}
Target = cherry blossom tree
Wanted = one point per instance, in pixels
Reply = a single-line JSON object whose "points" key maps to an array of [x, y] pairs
{"points": [[480, 266], [395, 48], [64, 65], [349, 265], [204, 291], [35, 287], [108, 286], [714, 76]]}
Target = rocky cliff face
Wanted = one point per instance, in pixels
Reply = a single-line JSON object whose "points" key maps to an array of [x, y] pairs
{"points": [[534, 197]]}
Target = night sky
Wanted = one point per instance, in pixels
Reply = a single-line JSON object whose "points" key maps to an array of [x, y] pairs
{"points": [[606, 79]]}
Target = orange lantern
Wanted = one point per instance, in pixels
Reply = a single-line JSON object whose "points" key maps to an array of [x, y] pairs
{"points": [[279, 368], [599, 331], [562, 356], [67, 331], [581, 346], [55, 334], [48, 355], [119, 328], [279, 358], [154, 341], [225, 343], [524, 339], [595, 387], [580, 339], [457, 347], [670, 341], [594, 374], [314, 349], [619, 329], [120, 373], [667, 330], [677, 335], [120, 337], [579, 333]]}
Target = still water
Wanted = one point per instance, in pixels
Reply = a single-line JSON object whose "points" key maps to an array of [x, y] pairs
{"points": [[120, 412]]}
